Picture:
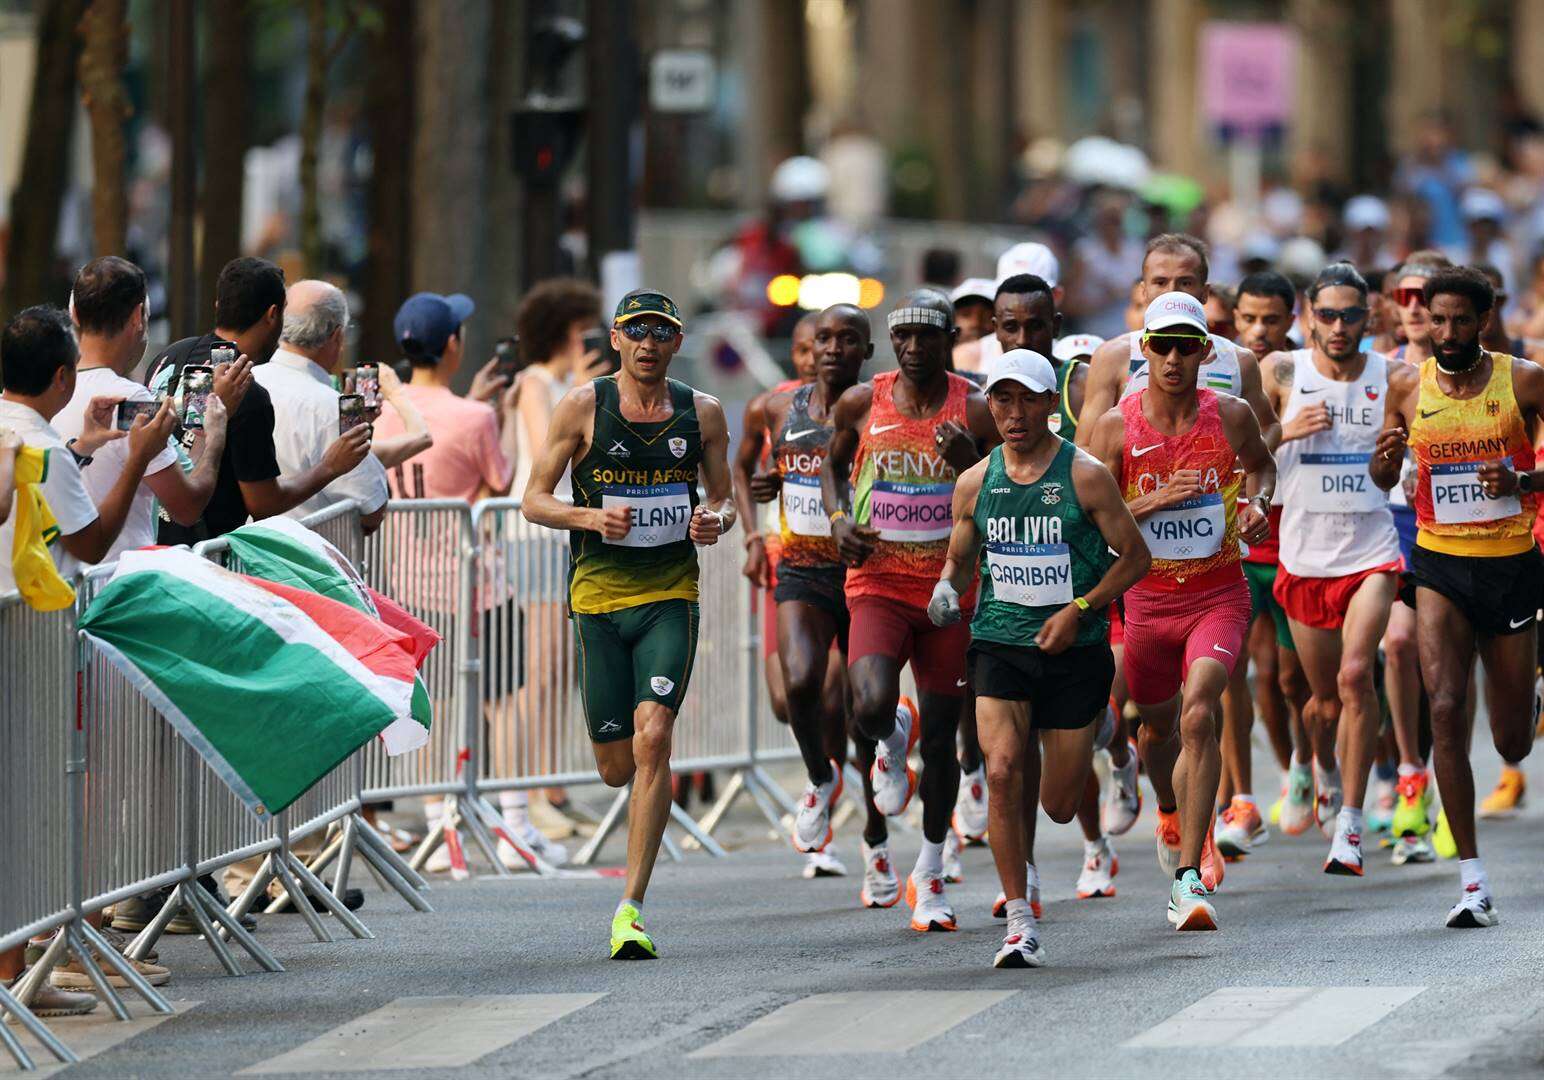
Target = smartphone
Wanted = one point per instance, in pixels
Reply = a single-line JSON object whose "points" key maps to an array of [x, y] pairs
{"points": [[351, 412], [223, 352], [507, 352], [596, 341], [367, 384], [197, 384], [128, 411]]}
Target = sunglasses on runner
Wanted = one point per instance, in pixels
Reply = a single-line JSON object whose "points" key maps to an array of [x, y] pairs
{"points": [[1350, 315], [1406, 296], [637, 331], [1164, 344]]}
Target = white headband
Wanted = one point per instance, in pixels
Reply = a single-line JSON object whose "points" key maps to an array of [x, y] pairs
{"points": [[917, 316]]}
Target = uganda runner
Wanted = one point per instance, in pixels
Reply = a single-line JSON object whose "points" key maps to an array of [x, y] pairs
{"points": [[1475, 568], [1339, 550], [900, 441], [811, 608], [1039, 518], [637, 442], [1177, 449]]}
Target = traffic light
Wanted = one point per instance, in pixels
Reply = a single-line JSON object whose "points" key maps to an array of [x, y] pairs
{"points": [[543, 143]]}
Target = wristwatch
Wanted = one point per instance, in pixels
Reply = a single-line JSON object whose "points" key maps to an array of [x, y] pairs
{"points": [[1081, 602], [81, 460], [1262, 503]]}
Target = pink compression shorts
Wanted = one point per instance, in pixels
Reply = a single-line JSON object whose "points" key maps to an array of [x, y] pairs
{"points": [[1166, 632]]}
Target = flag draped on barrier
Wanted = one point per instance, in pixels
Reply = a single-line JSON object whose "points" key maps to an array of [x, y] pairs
{"points": [[274, 683]]}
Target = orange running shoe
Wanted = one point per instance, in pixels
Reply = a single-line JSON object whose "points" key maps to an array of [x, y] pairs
{"points": [[1211, 861], [1168, 842]]}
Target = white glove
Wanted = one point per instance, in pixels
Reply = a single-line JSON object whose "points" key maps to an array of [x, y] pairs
{"points": [[944, 608]]}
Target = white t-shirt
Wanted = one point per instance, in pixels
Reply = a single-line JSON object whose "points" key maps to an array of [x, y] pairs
{"points": [[305, 423], [107, 463], [63, 490]]}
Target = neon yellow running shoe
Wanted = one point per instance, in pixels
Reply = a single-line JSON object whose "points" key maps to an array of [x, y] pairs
{"points": [[1274, 814], [1442, 838], [629, 941]]}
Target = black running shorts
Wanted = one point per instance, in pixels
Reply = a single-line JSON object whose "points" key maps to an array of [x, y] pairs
{"points": [[1066, 690], [1498, 594]]}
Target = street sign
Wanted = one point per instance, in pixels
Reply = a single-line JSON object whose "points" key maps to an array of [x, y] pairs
{"points": [[1248, 75], [682, 80]]}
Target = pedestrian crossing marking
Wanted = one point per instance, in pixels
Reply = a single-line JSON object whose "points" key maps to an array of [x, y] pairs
{"points": [[1245, 1016], [883, 1022], [425, 1033], [87, 1036]]}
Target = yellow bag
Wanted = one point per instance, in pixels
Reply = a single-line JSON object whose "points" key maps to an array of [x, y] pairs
{"points": [[37, 578]]}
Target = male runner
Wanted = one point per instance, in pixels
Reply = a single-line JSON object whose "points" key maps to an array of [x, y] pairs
{"points": [[1262, 318], [900, 441], [1049, 516], [1177, 448], [637, 441], [1475, 568], [811, 608], [1339, 550]]}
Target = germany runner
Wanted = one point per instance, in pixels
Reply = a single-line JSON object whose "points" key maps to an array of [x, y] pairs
{"points": [[1175, 447], [638, 442], [1048, 516], [900, 441], [1466, 414]]}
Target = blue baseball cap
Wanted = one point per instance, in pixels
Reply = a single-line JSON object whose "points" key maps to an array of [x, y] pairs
{"points": [[426, 320]]}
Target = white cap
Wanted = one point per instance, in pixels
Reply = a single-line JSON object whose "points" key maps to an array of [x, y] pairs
{"points": [[1072, 346], [1366, 212], [1025, 367], [1030, 258], [800, 179], [1174, 309], [1482, 204], [974, 288]]}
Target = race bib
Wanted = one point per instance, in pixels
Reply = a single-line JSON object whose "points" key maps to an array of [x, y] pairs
{"points": [[1034, 575], [661, 513], [911, 513], [1457, 497], [803, 507], [1191, 530], [1338, 484]]}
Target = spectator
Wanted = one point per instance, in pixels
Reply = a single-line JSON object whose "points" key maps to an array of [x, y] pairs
{"points": [[1366, 219], [248, 310], [475, 447], [1484, 215], [1435, 173], [111, 311], [10, 442], [299, 382], [415, 437], [1104, 262]]}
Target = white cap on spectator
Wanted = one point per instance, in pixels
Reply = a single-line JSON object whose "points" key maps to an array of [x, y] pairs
{"points": [[1175, 309], [1482, 204], [1029, 258], [974, 288], [1366, 212], [1023, 366], [1072, 346]]}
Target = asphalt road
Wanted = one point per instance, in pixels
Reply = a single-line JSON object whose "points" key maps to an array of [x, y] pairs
{"points": [[765, 973]]}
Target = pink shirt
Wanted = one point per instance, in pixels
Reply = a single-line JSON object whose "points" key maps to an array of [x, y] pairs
{"points": [[466, 452]]}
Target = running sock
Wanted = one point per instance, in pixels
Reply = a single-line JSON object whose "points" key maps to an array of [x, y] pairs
{"points": [[930, 860], [638, 904], [1093, 847], [1018, 911], [1245, 797], [1470, 872]]}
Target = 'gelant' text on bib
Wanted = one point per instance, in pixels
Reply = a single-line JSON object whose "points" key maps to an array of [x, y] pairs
{"points": [[661, 513]]}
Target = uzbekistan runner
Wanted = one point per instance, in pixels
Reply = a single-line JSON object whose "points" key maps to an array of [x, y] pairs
{"points": [[1339, 550], [1040, 518], [900, 441], [1475, 569], [1175, 446], [637, 441]]}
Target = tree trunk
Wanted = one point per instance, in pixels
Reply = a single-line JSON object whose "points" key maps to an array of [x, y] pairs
{"points": [[389, 108], [45, 165], [104, 34], [311, 135], [227, 132]]}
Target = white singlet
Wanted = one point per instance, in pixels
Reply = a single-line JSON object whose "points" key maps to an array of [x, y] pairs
{"points": [[1334, 520], [1220, 372]]}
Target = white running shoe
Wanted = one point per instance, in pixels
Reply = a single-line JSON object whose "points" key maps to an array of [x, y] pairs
{"points": [[881, 888], [812, 826], [1122, 798], [1020, 947], [1345, 856], [1106, 729], [1188, 906], [823, 863], [970, 808], [1473, 910], [954, 871], [1032, 889], [439, 860], [1413, 849], [930, 908], [1329, 800], [892, 775], [534, 840], [1099, 869]]}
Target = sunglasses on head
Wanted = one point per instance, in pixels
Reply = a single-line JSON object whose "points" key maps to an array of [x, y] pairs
{"points": [[1163, 344], [1404, 297], [1350, 316], [637, 331]]}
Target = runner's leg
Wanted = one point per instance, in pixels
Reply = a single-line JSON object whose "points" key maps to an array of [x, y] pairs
{"points": [[1447, 649], [1198, 765], [1003, 727], [804, 635], [1366, 619]]}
